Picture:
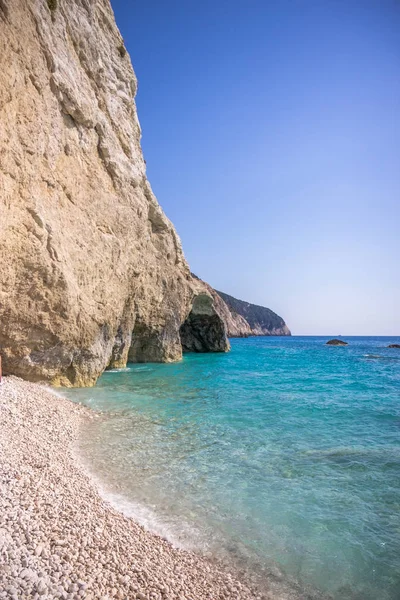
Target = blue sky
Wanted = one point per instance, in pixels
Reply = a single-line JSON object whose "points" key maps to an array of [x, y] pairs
{"points": [[271, 131]]}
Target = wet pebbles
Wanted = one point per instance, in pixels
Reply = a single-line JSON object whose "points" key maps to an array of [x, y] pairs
{"points": [[59, 538]]}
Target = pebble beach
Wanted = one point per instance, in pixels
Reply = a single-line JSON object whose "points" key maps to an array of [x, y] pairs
{"points": [[59, 538]]}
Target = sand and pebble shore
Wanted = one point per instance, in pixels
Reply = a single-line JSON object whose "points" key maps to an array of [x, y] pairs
{"points": [[59, 538]]}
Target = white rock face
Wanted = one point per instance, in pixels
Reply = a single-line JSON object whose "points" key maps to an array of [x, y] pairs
{"points": [[92, 272]]}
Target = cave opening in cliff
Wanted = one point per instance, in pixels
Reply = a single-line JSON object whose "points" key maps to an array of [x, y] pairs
{"points": [[203, 330]]}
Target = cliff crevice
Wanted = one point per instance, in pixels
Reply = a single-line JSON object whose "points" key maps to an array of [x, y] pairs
{"points": [[93, 272]]}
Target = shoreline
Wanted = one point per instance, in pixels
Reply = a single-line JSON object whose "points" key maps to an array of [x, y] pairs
{"points": [[59, 538]]}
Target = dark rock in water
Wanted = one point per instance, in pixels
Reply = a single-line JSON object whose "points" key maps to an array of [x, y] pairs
{"points": [[336, 342], [394, 346]]}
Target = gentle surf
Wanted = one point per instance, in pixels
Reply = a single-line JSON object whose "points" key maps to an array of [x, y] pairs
{"points": [[283, 456]]}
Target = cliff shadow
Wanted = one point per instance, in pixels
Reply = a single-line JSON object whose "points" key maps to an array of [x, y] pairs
{"points": [[203, 330]]}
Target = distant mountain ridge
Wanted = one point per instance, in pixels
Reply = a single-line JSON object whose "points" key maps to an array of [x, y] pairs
{"points": [[243, 319], [261, 320]]}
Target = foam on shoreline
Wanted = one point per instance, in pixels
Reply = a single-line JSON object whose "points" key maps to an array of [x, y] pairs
{"points": [[60, 538], [144, 515]]}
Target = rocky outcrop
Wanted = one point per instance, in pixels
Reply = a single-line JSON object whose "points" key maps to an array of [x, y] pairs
{"points": [[235, 324], [336, 342], [204, 329], [394, 346], [92, 272], [250, 319]]}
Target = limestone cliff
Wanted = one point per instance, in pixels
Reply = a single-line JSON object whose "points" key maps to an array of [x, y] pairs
{"points": [[243, 319], [259, 319], [235, 324], [92, 272]]}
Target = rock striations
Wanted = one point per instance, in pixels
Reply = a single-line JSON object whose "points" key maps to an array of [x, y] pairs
{"points": [[258, 319], [92, 272], [235, 324]]}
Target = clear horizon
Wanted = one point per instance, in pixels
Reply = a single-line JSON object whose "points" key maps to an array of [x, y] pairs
{"points": [[271, 135]]}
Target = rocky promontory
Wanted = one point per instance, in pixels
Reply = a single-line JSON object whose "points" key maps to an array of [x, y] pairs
{"points": [[259, 319]]}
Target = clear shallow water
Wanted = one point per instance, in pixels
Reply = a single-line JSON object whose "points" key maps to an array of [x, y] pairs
{"points": [[284, 454]]}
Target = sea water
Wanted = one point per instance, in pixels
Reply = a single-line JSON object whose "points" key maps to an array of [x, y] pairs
{"points": [[282, 455]]}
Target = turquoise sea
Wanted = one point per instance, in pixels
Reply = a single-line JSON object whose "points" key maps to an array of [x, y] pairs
{"points": [[282, 456]]}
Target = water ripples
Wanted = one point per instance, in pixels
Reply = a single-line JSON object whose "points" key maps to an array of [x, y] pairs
{"points": [[283, 455]]}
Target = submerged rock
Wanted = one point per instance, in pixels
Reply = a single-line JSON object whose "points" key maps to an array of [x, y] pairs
{"points": [[102, 553], [394, 346], [93, 272], [336, 342]]}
